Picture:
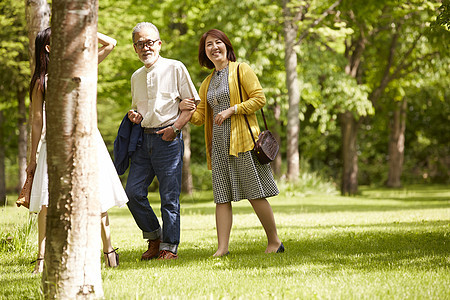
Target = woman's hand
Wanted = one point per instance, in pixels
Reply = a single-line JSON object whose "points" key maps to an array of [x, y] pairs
{"points": [[187, 104], [223, 115]]}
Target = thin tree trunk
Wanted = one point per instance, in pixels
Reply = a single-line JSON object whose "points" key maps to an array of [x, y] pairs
{"points": [[276, 164], [38, 18], [23, 132], [397, 145], [72, 269], [186, 176], [349, 126], [349, 130], [2, 162], [290, 62]]}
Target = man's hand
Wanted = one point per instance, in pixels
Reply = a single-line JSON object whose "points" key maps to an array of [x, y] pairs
{"points": [[168, 134], [134, 117]]}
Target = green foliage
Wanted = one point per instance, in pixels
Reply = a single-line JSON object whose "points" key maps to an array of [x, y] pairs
{"points": [[201, 177], [256, 31], [307, 184], [13, 48], [443, 18], [14, 68]]}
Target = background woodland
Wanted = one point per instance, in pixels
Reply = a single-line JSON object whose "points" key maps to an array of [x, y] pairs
{"points": [[357, 91]]}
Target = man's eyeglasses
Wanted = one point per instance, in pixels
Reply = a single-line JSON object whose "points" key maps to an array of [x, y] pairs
{"points": [[141, 44]]}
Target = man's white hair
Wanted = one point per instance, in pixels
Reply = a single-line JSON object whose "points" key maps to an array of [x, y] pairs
{"points": [[140, 26]]}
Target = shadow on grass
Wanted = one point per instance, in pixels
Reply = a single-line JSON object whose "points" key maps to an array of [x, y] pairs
{"points": [[424, 246], [371, 200], [325, 207]]}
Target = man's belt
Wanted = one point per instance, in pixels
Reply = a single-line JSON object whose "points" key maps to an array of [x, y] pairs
{"points": [[154, 130]]}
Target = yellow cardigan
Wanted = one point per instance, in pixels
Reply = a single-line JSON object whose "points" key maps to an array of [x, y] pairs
{"points": [[254, 99]]}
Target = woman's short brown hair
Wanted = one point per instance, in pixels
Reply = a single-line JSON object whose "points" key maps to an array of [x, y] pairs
{"points": [[203, 59]]}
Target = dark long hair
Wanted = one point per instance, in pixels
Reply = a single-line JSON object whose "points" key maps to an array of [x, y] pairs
{"points": [[41, 57], [203, 59]]}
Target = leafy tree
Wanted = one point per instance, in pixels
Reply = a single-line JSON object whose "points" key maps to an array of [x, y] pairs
{"points": [[386, 45], [14, 78]]}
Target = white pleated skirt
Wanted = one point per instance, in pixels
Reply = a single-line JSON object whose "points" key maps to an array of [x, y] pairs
{"points": [[110, 187]]}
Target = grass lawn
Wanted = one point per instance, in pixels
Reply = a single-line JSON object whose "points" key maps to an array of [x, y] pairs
{"points": [[382, 244]]}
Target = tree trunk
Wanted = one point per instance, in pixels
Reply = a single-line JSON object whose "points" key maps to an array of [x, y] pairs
{"points": [[186, 176], [349, 130], [397, 145], [38, 18], [276, 164], [2, 162], [349, 126], [293, 125], [22, 143], [72, 268]]}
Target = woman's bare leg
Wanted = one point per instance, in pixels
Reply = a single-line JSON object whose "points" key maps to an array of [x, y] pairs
{"points": [[42, 218], [224, 220], [264, 212], [110, 259]]}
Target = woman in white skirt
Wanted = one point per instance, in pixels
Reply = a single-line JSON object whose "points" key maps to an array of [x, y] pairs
{"points": [[111, 190]]}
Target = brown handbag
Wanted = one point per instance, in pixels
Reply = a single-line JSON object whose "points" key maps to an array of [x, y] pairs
{"points": [[266, 147], [25, 193]]}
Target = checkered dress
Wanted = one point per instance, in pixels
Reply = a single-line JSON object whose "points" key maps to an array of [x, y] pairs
{"points": [[234, 178]]}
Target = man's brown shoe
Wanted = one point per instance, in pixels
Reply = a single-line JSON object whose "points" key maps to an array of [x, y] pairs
{"points": [[153, 250], [166, 254]]}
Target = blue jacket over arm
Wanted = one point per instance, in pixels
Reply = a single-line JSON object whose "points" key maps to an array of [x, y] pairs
{"points": [[129, 137]]}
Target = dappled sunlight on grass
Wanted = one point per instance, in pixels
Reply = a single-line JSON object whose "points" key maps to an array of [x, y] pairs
{"points": [[380, 244]]}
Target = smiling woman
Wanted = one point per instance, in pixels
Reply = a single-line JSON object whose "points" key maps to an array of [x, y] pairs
{"points": [[236, 173]]}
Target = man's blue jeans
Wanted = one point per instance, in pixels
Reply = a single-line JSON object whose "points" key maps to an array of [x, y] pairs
{"points": [[164, 160]]}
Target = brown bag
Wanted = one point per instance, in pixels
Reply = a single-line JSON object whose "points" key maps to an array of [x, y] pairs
{"points": [[266, 147], [25, 193]]}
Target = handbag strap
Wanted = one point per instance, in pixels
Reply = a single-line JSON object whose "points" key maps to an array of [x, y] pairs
{"points": [[240, 95], [245, 116]]}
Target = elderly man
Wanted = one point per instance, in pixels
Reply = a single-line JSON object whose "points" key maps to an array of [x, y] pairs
{"points": [[156, 90]]}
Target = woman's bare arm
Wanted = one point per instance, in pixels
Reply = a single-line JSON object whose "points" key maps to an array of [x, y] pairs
{"points": [[107, 45]]}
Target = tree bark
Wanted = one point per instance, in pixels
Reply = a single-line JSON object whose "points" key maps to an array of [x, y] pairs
{"points": [[397, 144], [2, 162], [293, 125], [22, 142], [349, 126], [38, 18], [72, 268], [276, 164], [349, 130], [186, 176]]}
